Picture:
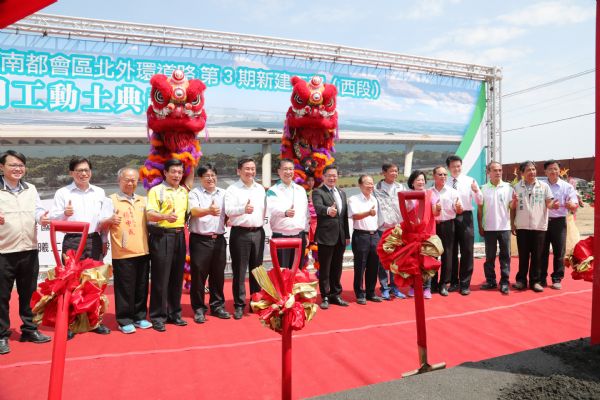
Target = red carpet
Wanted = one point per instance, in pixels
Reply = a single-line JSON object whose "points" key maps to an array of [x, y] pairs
{"points": [[341, 348]]}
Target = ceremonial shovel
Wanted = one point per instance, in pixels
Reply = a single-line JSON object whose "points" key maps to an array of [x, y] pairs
{"points": [[286, 333], [418, 288], [59, 348]]}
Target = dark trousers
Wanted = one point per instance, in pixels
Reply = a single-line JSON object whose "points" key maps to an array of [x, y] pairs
{"points": [[556, 235], [445, 231], [530, 244], [502, 238], [366, 263], [286, 256], [330, 272], [167, 260], [246, 248], [462, 269], [93, 245], [207, 259], [23, 267], [386, 278], [131, 289]]}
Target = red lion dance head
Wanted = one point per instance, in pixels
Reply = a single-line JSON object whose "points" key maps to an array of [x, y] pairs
{"points": [[310, 128], [175, 117]]}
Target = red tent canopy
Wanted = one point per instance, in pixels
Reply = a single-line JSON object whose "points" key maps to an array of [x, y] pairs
{"points": [[12, 11]]}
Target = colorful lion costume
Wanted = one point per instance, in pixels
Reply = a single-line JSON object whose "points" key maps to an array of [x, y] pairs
{"points": [[175, 117], [310, 128]]}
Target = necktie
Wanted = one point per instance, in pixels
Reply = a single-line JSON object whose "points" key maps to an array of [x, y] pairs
{"points": [[454, 182]]}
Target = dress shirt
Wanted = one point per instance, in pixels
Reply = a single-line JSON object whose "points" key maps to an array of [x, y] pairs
{"points": [[467, 196], [236, 198], [280, 198], [447, 198], [564, 192], [358, 204], [209, 224], [90, 205]]}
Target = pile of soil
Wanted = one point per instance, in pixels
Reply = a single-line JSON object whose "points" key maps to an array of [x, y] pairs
{"points": [[580, 379]]}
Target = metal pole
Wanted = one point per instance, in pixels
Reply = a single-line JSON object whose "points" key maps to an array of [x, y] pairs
{"points": [[595, 334]]}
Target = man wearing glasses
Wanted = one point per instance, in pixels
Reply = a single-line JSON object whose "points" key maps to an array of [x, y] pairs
{"points": [[20, 209], [207, 245], [83, 202]]}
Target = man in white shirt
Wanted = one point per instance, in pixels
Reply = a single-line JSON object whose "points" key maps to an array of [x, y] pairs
{"points": [[245, 207], [464, 234], [556, 235], [447, 206], [207, 244], [386, 192], [83, 202], [287, 206], [493, 218], [529, 222], [362, 208]]}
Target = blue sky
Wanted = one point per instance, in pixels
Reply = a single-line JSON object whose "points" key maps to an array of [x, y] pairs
{"points": [[533, 42]]}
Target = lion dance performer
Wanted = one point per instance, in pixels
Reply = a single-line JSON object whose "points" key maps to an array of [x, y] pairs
{"points": [[175, 117], [310, 128]]}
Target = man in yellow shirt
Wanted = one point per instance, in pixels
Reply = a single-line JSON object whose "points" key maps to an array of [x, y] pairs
{"points": [[129, 244], [166, 208]]}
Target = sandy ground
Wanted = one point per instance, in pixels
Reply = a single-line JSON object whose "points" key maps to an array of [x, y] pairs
{"points": [[585, 220], [569, 370]]}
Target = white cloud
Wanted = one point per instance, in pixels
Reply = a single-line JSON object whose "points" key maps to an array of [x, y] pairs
{"points": [[476, 36], [426, 9], [499, 56], [550, 13]]}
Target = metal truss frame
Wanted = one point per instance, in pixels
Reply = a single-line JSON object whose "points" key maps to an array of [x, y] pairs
{"points": [[126, 32]]}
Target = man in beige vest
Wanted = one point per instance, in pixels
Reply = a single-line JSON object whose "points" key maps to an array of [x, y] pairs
{"points": [[20, 209]]}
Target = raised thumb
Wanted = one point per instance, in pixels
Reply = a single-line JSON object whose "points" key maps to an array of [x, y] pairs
{"points": [[248, 202], [116, 212], [69, 203], [213, 203], [46, 213]]}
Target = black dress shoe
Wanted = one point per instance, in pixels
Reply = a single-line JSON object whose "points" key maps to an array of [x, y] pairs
{"points": [[238, 313], [101, 330], [444, 291], [324, 304], [453, 288], [159, 326], [4, 349], [199, 317], [220, 313], [34, 337], [361, 300], [70, 334], [337, 300], [504, 289], [176, 321], [375, 299], [489, 286], [465, 292]]}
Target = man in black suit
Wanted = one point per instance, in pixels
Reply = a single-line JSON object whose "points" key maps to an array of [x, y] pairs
{"points": [[332, 235]]}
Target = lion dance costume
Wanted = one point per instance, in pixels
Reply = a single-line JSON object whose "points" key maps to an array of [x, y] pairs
{"points": [[310, 128], [175, 117]]}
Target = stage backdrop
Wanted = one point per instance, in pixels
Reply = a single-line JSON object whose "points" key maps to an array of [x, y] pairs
{"points": [[47, 80]]}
